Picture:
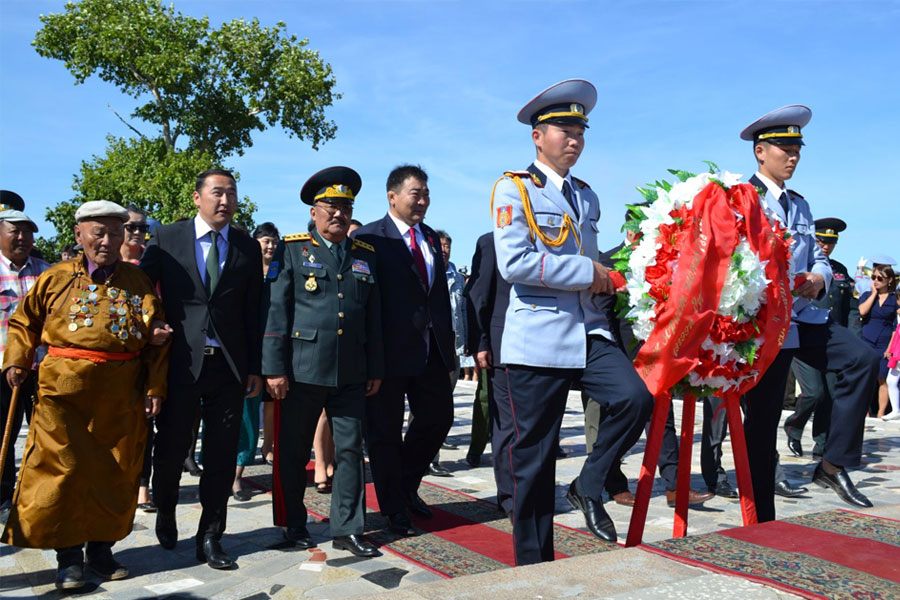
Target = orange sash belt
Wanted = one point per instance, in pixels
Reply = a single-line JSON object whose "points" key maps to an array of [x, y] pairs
{"points": [[94, 356]]}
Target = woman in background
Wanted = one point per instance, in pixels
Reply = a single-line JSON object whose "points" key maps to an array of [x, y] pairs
{"points": [[878, 309]]}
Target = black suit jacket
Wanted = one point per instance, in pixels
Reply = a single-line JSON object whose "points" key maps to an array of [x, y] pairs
{"points": [[407, 311], [488, 294], [233, 309]]}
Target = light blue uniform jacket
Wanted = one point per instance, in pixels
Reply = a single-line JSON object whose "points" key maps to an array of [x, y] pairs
{"points": [[805, 256], [551, 310]]}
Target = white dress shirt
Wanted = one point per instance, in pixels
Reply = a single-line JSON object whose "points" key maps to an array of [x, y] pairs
{"points": [[423, 244]]}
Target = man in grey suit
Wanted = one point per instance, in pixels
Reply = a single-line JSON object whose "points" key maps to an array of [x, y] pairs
{"points": [[322, 348]]}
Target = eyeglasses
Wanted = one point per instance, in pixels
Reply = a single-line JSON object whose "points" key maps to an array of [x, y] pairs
{"points": [[135, 228], [880, 278], [333, 207]]}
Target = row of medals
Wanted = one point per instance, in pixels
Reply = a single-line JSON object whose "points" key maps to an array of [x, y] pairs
{"points": [[122, 321]]}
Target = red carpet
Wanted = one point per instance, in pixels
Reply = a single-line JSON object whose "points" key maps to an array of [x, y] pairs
{"points": [[467, 535], [833, 554]]}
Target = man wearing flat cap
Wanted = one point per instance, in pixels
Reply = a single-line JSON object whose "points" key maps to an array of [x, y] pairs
{"points": [[813, 337], [97, 386], [19, 270], [817, 387], [556, 332], [322, 349]]}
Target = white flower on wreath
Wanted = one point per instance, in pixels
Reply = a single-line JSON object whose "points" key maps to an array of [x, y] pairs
{"points": [[745, 284]]}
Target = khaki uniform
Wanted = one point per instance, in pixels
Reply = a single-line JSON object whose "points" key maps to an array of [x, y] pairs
{"points": [[83, 456]]}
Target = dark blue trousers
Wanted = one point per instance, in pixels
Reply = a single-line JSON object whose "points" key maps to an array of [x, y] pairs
{"points": [[535, 404], [502, 431], [816, 391], [829, 348]]}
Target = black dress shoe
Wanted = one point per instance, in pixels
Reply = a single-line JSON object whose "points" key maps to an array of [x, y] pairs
{"points": [[417, 506], [595, 515], [724, 489], [795, 447], [474, 461], [784, 488], [355, 544], [299, 536], [242, 495], [104, 565], [841, 484], [210, 551], [436, 469], [449, 446], [401, 524], [166, 530], [70, 578]]}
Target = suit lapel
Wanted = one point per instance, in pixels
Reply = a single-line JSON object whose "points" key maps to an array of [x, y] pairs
{"points": [[771, 201], [188, 256], [231, 259], [400, 249]]}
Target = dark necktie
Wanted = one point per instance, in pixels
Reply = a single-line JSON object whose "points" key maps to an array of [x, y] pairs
{"points": [[567, 192], [338, 252], [418, 258], [782, 200], [212, 263]]}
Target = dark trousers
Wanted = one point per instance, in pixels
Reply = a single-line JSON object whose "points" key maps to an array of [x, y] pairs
{"points": [[148, 455], [74, 555], [481, 414], [616, 481], [715, 428], [816, 392], [220, 398], [537, 399], [830, 348], [502, 431], [295, 426], [23, 410], [400, 461]]}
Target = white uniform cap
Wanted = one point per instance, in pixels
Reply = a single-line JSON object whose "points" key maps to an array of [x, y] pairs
{"points": [[100, 208]]}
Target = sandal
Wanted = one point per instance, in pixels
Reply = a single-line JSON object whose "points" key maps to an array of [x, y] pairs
{"points": [[323, 487]]}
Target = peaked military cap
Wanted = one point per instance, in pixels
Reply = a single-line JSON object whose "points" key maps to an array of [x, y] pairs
{"points": [[882, 259], [781, 126], [566, 102], [827, 229], [331, 185], [11, 201]]}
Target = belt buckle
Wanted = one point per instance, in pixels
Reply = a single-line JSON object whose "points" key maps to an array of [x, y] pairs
{"points": [[209, 350]]}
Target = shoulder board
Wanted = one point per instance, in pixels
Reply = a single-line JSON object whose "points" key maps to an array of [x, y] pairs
{"points": [[363, 245], [296, 237], [796, 195], [581, 184], [525, 175]]}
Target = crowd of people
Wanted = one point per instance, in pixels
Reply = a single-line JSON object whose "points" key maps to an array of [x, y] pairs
{"points": [[199, 327]]}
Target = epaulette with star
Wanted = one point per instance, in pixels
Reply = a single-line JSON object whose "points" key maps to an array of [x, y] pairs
{"points": [[300, 237], [581, 184], [363, 245], [796, 195], [525, 175]]}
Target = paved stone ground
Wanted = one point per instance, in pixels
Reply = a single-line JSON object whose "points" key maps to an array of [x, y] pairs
{"points": [[267, 569]]}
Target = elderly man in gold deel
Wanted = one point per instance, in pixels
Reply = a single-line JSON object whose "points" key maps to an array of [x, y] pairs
{"points": [[96, 387]]}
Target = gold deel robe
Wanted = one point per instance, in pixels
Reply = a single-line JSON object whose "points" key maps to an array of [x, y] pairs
{"points": [[85, 447]]}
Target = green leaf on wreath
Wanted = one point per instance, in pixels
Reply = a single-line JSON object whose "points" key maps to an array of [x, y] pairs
{"points": [[713, 167], [681, 175]]}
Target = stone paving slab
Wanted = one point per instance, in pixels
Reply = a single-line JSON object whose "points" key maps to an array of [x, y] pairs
{"points": [[268, 570]]}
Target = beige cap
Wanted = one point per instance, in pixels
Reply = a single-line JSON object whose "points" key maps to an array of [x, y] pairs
{"points": [[100, 208]]}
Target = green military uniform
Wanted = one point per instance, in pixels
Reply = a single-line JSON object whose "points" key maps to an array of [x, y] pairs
{"points": [[817, 387], [323, 330]]}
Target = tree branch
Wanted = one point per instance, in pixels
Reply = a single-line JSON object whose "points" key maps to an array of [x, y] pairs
{"points": [[127, 124], [167, 134]]}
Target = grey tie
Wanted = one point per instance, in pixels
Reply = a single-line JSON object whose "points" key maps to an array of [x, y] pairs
{"points": [[212, 263]]}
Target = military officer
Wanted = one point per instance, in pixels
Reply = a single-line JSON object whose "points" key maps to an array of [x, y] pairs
{"points": [[816, 387], [322, 348], [556, 330], [813, 337]]}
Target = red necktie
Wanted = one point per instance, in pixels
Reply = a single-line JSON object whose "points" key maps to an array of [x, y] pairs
{"points": [[418, 258]]}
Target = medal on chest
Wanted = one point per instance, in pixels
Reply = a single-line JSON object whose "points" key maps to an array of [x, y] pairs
{"points": [[311, 284]]}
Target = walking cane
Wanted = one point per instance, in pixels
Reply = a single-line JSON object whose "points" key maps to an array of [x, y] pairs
{"points": [[7, 432]]}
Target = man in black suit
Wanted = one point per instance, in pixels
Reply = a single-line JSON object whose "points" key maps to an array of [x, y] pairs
{"points": [[488, 295], [210, 278], [419, 350]]}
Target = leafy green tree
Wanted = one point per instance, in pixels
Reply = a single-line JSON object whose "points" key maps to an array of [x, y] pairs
{"points": [[141, 172], [213, 87], [203, 90]]}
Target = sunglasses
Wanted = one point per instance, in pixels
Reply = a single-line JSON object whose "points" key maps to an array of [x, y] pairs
{"points": [[880, 278], [134, 228]]}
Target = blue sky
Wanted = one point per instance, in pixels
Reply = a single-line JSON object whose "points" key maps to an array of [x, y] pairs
{"points": [[439, 83]]}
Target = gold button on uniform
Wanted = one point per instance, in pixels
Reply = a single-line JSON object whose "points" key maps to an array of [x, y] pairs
{"points": [[340, 295], [340, 332], [534, 306], [340, 277], [340, 315]]}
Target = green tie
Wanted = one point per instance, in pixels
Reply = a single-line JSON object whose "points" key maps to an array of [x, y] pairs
{"points": [[212, 264]]}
